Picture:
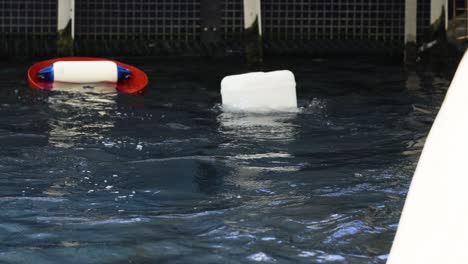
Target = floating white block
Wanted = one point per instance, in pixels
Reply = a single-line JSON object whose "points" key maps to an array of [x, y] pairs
{"points": [[260, 91]]}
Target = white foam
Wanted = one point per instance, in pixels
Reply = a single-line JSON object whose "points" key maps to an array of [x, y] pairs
{"points": [[259, 92], [261, 257]]}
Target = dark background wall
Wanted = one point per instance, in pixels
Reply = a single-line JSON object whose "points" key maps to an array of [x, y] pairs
{"points": [[28, 27], [191, 27]]}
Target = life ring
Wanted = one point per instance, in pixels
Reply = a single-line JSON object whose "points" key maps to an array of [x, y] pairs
{"points": [[125, 77]]}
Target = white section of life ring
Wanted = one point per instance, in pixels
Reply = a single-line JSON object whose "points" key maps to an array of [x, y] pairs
{"points": [[85, 71]]}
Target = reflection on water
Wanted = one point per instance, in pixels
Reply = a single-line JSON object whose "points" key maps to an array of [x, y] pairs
{"points": [[258, 126], [82, 109], [85, 88], [170, 177], [248, 164]]}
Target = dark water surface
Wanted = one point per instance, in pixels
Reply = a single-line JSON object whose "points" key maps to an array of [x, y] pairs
{"points": [[168, 177]]}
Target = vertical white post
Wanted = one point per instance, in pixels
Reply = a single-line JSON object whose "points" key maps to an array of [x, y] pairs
{"points": [[436, 11], [411, 7], [72, 16], [66, 15], [253, 32], [252, 13]]}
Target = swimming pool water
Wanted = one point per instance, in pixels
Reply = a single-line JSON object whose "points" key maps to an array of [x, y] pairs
{"points": [[90, 176]]}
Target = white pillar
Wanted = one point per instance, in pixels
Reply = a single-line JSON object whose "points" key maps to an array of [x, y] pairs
{"points": [[411, 7], [253, 31], [436, 10], [252, 13], [66, 14]]}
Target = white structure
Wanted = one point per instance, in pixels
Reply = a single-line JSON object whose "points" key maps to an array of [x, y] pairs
{"points": [[252, 13], [436, 10], [434, 224], [66, 14], [85, 71], [260, 91], [411, 7]]}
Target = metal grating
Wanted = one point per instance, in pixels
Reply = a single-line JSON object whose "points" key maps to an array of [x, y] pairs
{"points": [[460, 20], [28, 27], [28, 17], [334, 19], [232, 21], [138, 19], [140, 27], [423, 19]]}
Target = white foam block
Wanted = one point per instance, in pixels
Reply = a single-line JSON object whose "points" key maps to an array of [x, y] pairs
{"points": [[85, 71], [260, 91]]}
